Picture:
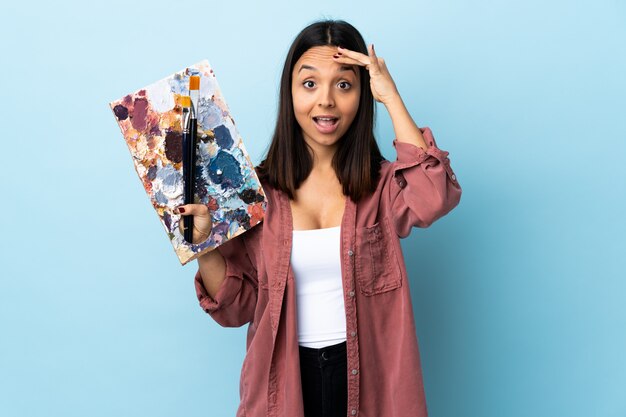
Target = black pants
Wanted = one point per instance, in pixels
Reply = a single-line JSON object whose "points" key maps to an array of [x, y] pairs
{"points": [[324, 381]]}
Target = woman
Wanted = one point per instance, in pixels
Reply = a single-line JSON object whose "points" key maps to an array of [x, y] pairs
{"points": [[322, 281]]}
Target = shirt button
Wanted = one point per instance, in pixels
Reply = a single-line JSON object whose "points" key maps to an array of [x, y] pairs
{"points": [[354, 372], [351, 293], [352, 334], [350, 253], [353, 411]]}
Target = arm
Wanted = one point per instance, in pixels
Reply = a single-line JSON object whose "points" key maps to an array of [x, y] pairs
{"points": [[384, 91], [404, 127], [422, 186], [212, 270], [226, 282]]}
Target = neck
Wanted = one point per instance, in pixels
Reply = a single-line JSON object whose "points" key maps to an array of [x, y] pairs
{"points": [[322, 157], [323, 162]]}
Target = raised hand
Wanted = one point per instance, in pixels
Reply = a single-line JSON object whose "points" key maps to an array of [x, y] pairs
{"points": [[382, 85]]}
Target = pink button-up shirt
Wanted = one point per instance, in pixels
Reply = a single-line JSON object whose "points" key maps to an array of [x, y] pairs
{"points": [[384, 370]]}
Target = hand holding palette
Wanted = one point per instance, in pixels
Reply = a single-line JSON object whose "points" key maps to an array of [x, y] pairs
{"points": [[225, 180]]}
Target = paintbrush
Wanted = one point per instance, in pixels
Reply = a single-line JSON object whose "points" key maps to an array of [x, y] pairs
{"points": [[188, 163], [190, 149]]}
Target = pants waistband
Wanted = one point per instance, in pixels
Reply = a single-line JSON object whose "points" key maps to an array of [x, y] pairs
{"points": [[326, 355]]}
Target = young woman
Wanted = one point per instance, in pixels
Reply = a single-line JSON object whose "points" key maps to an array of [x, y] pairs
{"points": [[322, 281]]}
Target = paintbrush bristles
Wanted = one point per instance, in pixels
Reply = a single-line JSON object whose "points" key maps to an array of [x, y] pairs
{"points": [[185, 101], [194, 82]]}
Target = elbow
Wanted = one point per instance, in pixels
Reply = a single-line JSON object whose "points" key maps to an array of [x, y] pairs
{"points": [[440, 205], [231, 316], [237, 311], [229, 320]]}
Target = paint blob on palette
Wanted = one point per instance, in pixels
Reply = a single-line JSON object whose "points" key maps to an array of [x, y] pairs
{"points": [[225, 179]]}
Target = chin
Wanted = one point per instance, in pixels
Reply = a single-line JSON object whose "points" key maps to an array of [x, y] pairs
{"points": [[325, 141]]}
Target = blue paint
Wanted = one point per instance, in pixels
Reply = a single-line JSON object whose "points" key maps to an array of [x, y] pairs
{"points": [[160, 198], [239, 216], [152, 171], [222, 137], [224, 170], [201, 184]]}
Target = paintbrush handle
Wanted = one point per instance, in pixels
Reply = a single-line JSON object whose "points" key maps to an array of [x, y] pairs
{"points": [[189, 164]]}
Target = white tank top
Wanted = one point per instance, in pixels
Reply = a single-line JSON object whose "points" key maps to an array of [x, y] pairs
{"points": [[316, 263]]}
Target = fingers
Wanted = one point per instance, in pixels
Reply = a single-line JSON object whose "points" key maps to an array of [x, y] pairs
{"points": [[350, 61], [374, 59], [202, 225], [357, 57], [192, 209], [181, 225], [372, 63]]}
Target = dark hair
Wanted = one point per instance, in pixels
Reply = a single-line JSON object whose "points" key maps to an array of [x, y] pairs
{"points": [[357, 159]]}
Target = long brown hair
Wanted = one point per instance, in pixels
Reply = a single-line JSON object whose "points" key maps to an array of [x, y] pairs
{"points": [[357, 159]]}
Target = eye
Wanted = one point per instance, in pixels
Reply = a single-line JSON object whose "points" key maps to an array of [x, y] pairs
{"points": [[344, 85], [308, 84]]}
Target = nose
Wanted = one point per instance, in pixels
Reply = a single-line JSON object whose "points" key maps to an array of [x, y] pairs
{"points": [[326, 98]]}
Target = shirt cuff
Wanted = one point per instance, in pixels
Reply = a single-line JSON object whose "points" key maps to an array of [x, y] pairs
{"points": [[410, 155], [225, 295]]}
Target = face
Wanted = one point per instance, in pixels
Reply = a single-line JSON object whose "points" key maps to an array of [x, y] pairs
{"points": [[325, 96]]}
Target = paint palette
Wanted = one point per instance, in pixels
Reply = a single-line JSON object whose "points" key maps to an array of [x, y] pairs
{"points": [[225, 180]]}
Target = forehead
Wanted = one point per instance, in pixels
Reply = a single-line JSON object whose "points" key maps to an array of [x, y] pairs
{"points": [[319, 53], [321, 58]]}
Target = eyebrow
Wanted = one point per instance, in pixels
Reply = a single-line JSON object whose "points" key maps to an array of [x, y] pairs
{"points": [[342, 68]]}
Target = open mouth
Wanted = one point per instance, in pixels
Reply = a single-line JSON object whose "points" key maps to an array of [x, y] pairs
{"points": [[325, 122]]}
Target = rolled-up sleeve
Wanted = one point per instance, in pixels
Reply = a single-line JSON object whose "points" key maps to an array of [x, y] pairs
{"points": [[235, 301], [423, 186]]}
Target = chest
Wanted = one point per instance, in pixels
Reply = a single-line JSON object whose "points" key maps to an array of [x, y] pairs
{"points": [[318, 205]]}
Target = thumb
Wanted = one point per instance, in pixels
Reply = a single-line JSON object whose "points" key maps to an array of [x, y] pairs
{"points": [[192, 209]]}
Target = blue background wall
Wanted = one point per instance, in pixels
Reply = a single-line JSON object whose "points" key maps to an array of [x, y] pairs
{"points": [[518, 293]]}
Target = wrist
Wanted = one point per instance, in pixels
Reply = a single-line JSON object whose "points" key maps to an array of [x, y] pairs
{"points": [[394, 103]]}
